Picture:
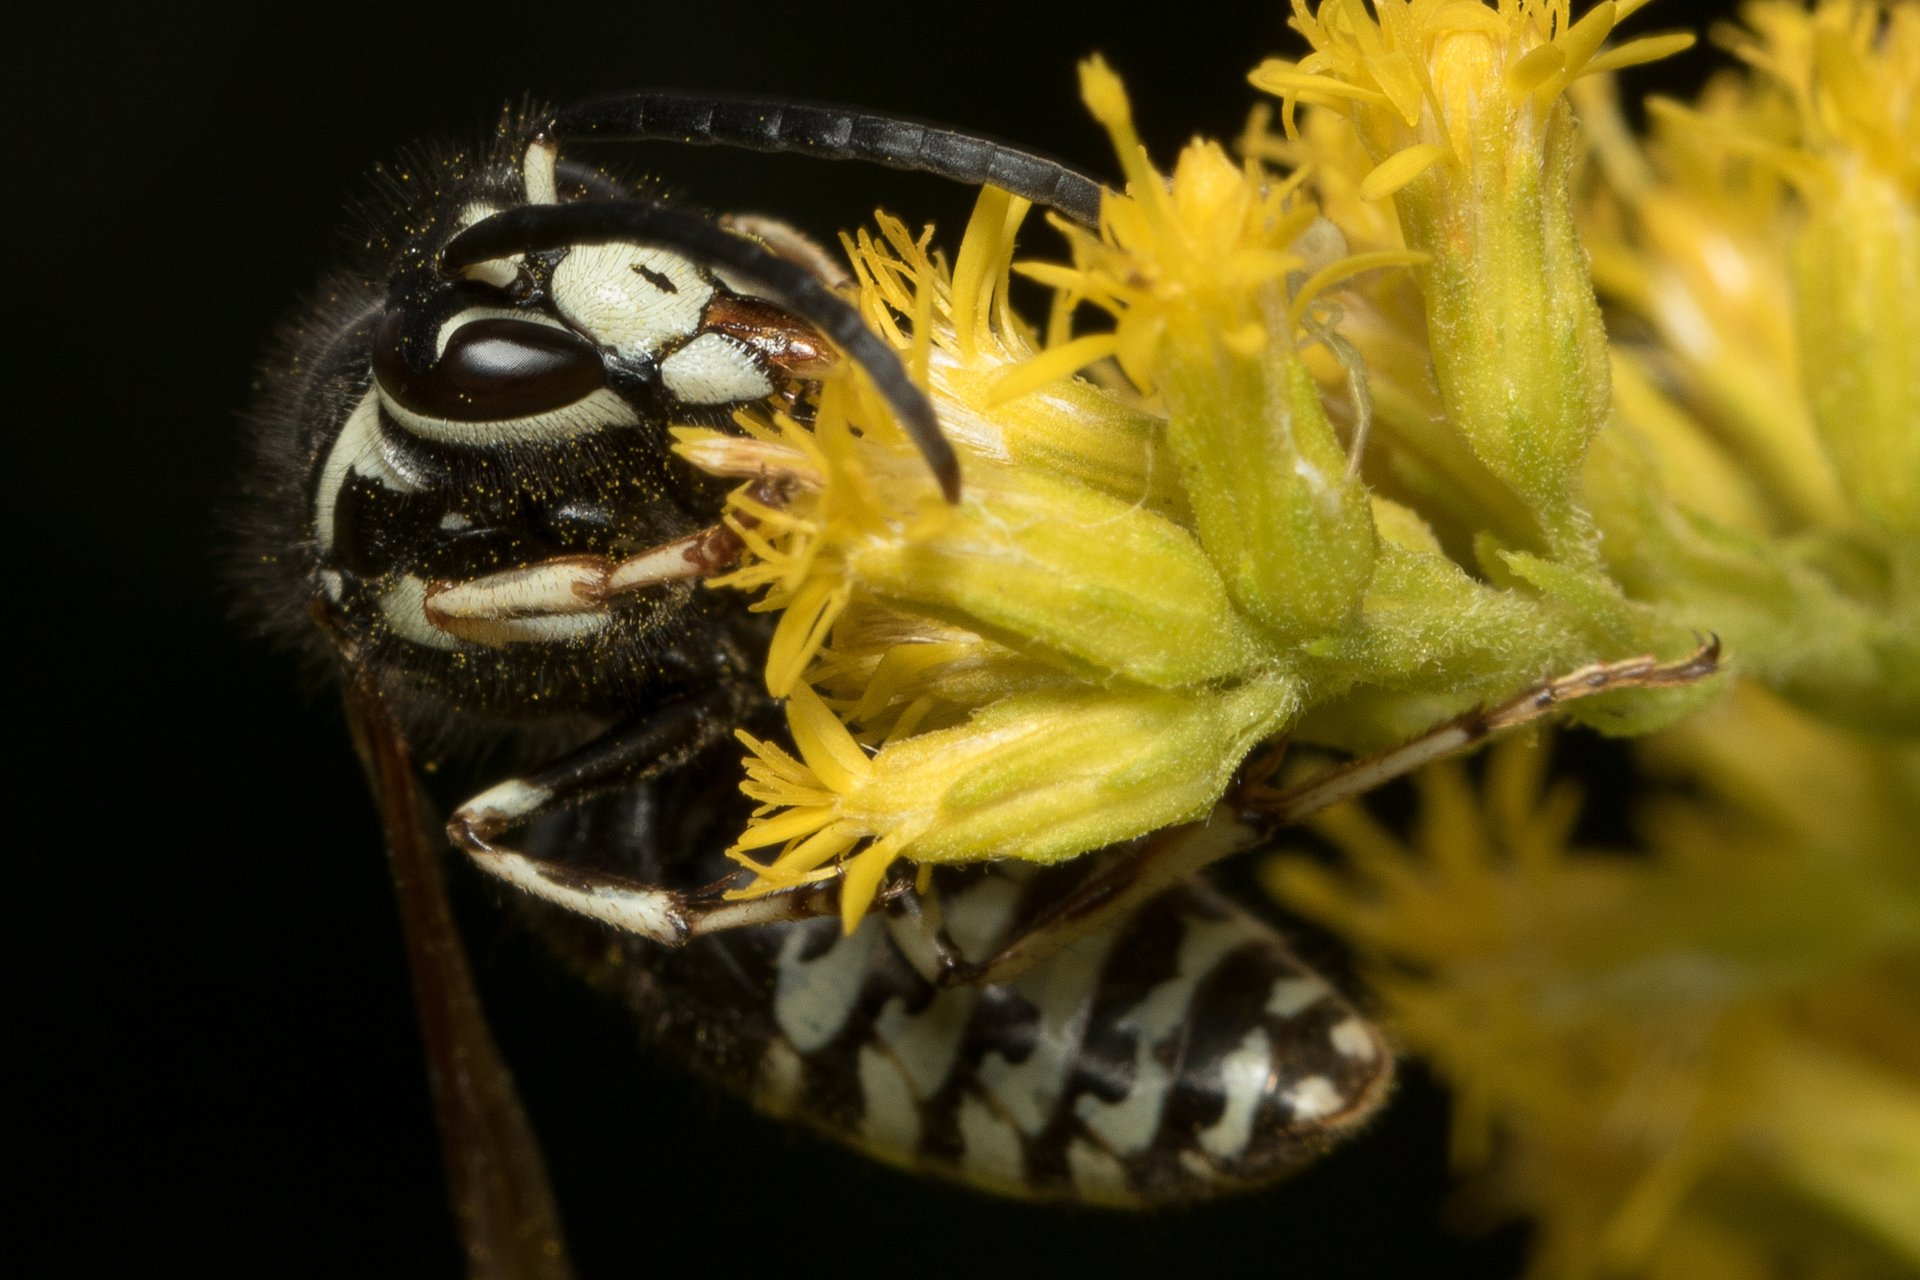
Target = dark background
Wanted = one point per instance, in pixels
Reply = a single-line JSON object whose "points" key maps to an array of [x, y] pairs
{"points": [[225, 1076]]}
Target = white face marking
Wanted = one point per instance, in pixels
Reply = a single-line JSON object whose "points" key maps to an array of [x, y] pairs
{"points": [[1128, 1125], [715, 369], [591, 413], [498, 272], [650, 913], [736, 282], [1290, 995], [813, 998], [404, 606], [777, 1086], [333, 584], [357, 450], [1354, 1039], [1097, 1176], [989, 1146], [634, 299], [1246, 1075], [537, 171], [1313, 1098], [505, 803], [927, 1044], [454, 522], [892, 1116], [1062, 990]]}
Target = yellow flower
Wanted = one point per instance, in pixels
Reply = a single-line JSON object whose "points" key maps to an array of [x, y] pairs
{"points": [[1700, 1057], [1011, 673], [1039, 775], [1211, 275], [1195, 257], [1215, 558], [1191, 256], [1821, 150], [1460, 106], [958, 329], [1415, 76], [1686, 235], [1852, 71], [1765, 466]]}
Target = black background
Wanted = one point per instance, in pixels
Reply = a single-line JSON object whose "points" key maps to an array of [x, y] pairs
{"points": [[211, 1004]]}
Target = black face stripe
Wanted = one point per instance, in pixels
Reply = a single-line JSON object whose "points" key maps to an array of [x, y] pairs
{"points": [[664, 283]]}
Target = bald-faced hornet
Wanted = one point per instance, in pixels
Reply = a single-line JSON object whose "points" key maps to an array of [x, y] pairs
{"points": [[463, 477]]}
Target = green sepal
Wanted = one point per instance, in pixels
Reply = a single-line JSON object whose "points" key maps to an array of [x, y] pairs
{"points": [[1050, 774], [1781, 617], [1519, 348], [1056, 570], [1431, 642], [1268, 483]]}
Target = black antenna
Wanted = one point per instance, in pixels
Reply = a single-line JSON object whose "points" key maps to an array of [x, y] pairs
{"points": [[831, 133]]}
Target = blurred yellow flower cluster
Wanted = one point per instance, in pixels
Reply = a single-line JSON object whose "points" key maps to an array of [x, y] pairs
{"points": [[1450, 382], [1700, 1057]]}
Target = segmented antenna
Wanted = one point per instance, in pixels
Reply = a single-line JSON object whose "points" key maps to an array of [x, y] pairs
{"points": [[831, 133]]}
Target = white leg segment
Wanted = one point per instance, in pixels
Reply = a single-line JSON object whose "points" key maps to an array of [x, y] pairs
{"points": [[650, 913]]}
